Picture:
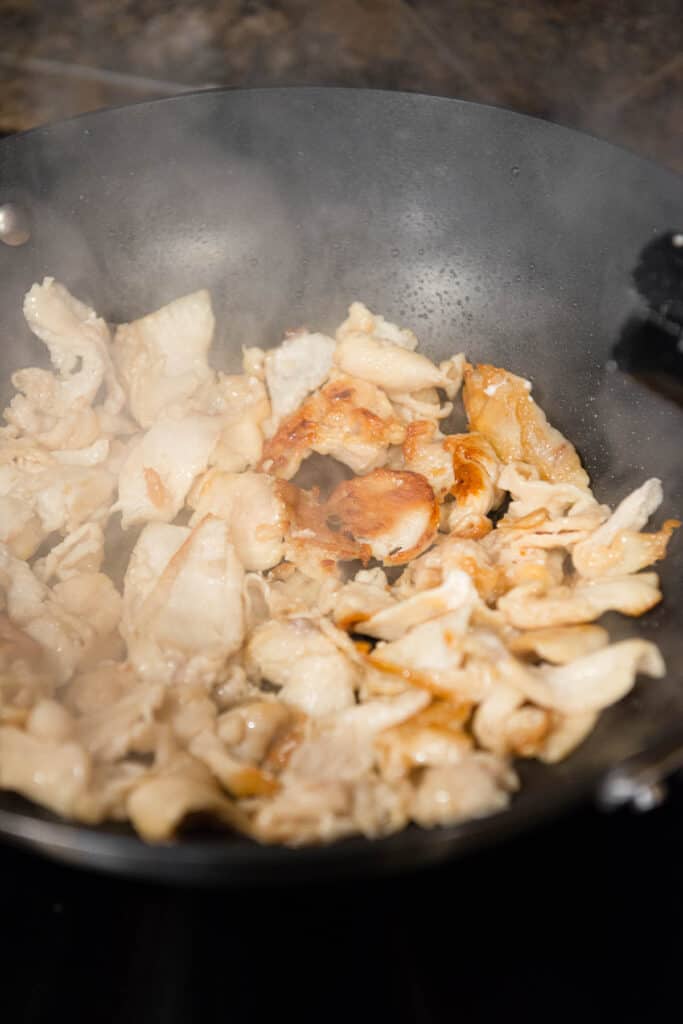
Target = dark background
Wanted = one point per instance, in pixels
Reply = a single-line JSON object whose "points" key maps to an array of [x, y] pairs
{"points": [[610, 67], [580, 919]]}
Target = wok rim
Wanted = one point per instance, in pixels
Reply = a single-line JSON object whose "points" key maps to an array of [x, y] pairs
{"points": [[344, 89]]}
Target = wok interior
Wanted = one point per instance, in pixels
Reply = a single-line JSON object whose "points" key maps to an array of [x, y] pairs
{"points": [[484, 231]]}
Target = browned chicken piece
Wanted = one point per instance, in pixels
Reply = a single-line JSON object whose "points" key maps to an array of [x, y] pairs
{"points": [[464, 467], [351, 420], [499, 406], [394, 512], [311, 543]]}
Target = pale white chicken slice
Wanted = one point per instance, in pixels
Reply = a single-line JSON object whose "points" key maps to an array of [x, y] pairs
{"points": [[56, 408], [560, 644], [39, 496], [261, 731], [349, 419], [499, 406], [94, 455], [393, 512], [528, 492], [92, 598], [182, 602], [314, 674], [68, 621], [25, 673], [298, 366], [568, 732], [50, 720], [434, 736], [394, 368], [430, 655], [162, 358], [529, 606], [237, 778], [241, 402], [126, 725], [479, 784], [158, 806], [448, 553], [424, 405], [239, 445], [81, 551], [250, 505], [594, 681], [70, 495], [288, 592], [359, 599], [20, 527], [313, 812], [192, 715], [505, 725], [392, 622], [361, 321], [341, 746], [159, 471], [618, 547], [54, 773], [96, 689], [328, 788]]}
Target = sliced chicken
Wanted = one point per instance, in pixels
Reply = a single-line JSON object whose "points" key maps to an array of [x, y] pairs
{"points": [[499, 406], [81, 551], [392, 622], [159, 805], [530, 607], [69, 621], [393, 512], [361, 598], [162, 358], [241, 402], [182, 602], [249, 503], [593, 681], [55, 409], [159, 471], [478, 785], [560, 644], [361, 321], [300, 365], [392, 367], [349, 419], [312, 672], [618, 547]]}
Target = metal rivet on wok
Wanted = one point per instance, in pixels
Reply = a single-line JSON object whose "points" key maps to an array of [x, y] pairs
{"points": [[14, 229]]}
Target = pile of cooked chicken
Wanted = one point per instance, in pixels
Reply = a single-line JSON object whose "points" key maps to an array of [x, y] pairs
{"points": [[186, 631]]}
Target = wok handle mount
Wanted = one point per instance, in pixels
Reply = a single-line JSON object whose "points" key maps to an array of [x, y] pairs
{"points": [[639, 782], [14, 224]]}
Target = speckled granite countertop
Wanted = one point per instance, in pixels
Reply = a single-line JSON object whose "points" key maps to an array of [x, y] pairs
{"points": [[611, 67]]}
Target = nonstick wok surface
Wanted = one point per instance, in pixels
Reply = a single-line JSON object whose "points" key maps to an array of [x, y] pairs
{"points": [[484, 230]]}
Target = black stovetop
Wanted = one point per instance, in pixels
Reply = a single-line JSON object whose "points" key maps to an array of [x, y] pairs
{"points": [[577, 920]]}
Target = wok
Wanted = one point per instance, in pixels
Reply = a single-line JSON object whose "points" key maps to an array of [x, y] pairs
{"points": [[487, 231]]}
